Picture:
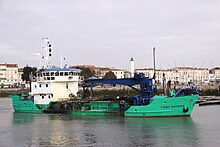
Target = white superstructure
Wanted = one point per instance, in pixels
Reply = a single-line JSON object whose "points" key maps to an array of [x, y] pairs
{"points": [[54, 84]]}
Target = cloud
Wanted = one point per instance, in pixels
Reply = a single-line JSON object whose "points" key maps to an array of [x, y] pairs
{"points": [[110, 32]]}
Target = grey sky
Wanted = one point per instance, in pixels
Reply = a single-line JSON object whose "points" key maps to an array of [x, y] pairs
{"points": [[110, 32]]}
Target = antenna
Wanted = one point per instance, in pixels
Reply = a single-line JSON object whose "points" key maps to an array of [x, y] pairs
{"points": [[61, 61], [39, 58]]}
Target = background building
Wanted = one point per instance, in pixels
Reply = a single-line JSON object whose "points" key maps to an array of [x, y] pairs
{"points": [[9, 74]]}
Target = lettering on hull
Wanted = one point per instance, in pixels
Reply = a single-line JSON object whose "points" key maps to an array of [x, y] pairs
{"points": [[174, 106]]}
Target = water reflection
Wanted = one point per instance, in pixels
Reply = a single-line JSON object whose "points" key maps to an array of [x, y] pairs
{"points": [[23, 129], [76, 130], [163, 131], [22, 118]]}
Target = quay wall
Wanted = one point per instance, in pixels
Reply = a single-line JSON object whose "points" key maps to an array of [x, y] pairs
{"points": [[5, 92]]}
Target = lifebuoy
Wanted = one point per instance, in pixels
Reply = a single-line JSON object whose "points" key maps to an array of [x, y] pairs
{"points": [[122, 102]]}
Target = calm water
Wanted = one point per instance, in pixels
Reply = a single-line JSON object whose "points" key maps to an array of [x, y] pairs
{"points": [[17, 129]]}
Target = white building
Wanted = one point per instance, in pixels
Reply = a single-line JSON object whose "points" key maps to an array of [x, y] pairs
{"points": [[185, 75], [217, 72], [102, 71], [9, 74], [148, 72], [181, 75], [214, 74], [119, 73]]}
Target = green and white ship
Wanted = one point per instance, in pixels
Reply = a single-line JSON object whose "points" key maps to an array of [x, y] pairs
{"points": [[55, 91]]}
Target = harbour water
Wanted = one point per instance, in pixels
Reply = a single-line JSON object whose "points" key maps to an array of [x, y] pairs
{"points": [[19, 129]]}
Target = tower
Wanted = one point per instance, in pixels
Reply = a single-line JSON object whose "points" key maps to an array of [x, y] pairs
{"points": [[132, 66]]}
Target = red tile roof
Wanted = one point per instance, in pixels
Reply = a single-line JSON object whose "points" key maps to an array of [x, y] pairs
{"points": [[9, 65]]}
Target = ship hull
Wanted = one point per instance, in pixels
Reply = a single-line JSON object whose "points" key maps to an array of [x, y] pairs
{"points": [[164, 107], [24, 105], [160, 106]]}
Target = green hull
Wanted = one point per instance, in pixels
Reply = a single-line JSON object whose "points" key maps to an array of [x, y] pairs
{"points": [[98, 108], [22, 104], [160, 106], [97, 113]]}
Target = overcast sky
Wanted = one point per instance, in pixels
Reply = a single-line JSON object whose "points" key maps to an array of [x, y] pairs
{"points": [[110, 32]]}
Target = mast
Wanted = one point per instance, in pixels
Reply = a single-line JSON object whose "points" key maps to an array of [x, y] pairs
{"points": [[154, 76], [48, 55], [61, 61], [39, 58]]}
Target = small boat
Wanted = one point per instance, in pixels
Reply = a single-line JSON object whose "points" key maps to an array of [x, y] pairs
{"points": [[55, 91]]}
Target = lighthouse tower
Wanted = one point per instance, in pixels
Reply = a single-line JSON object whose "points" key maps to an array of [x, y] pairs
{"points": [[132, 67]]}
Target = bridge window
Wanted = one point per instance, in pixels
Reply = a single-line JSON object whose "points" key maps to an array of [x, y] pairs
{"points": [[48, 74], [49, 96], [48, 78], [52, 78], [71, 73], [42, 97], [46, 85], [66, 73], [57, 74], [61, 73], [52, 73]]}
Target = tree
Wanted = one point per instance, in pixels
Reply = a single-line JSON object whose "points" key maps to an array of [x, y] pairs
{"points": [[28, 73], [87, 72], [110, 75]]}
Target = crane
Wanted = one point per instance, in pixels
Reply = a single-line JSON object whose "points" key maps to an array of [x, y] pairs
{"points": [[145, 89]]}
